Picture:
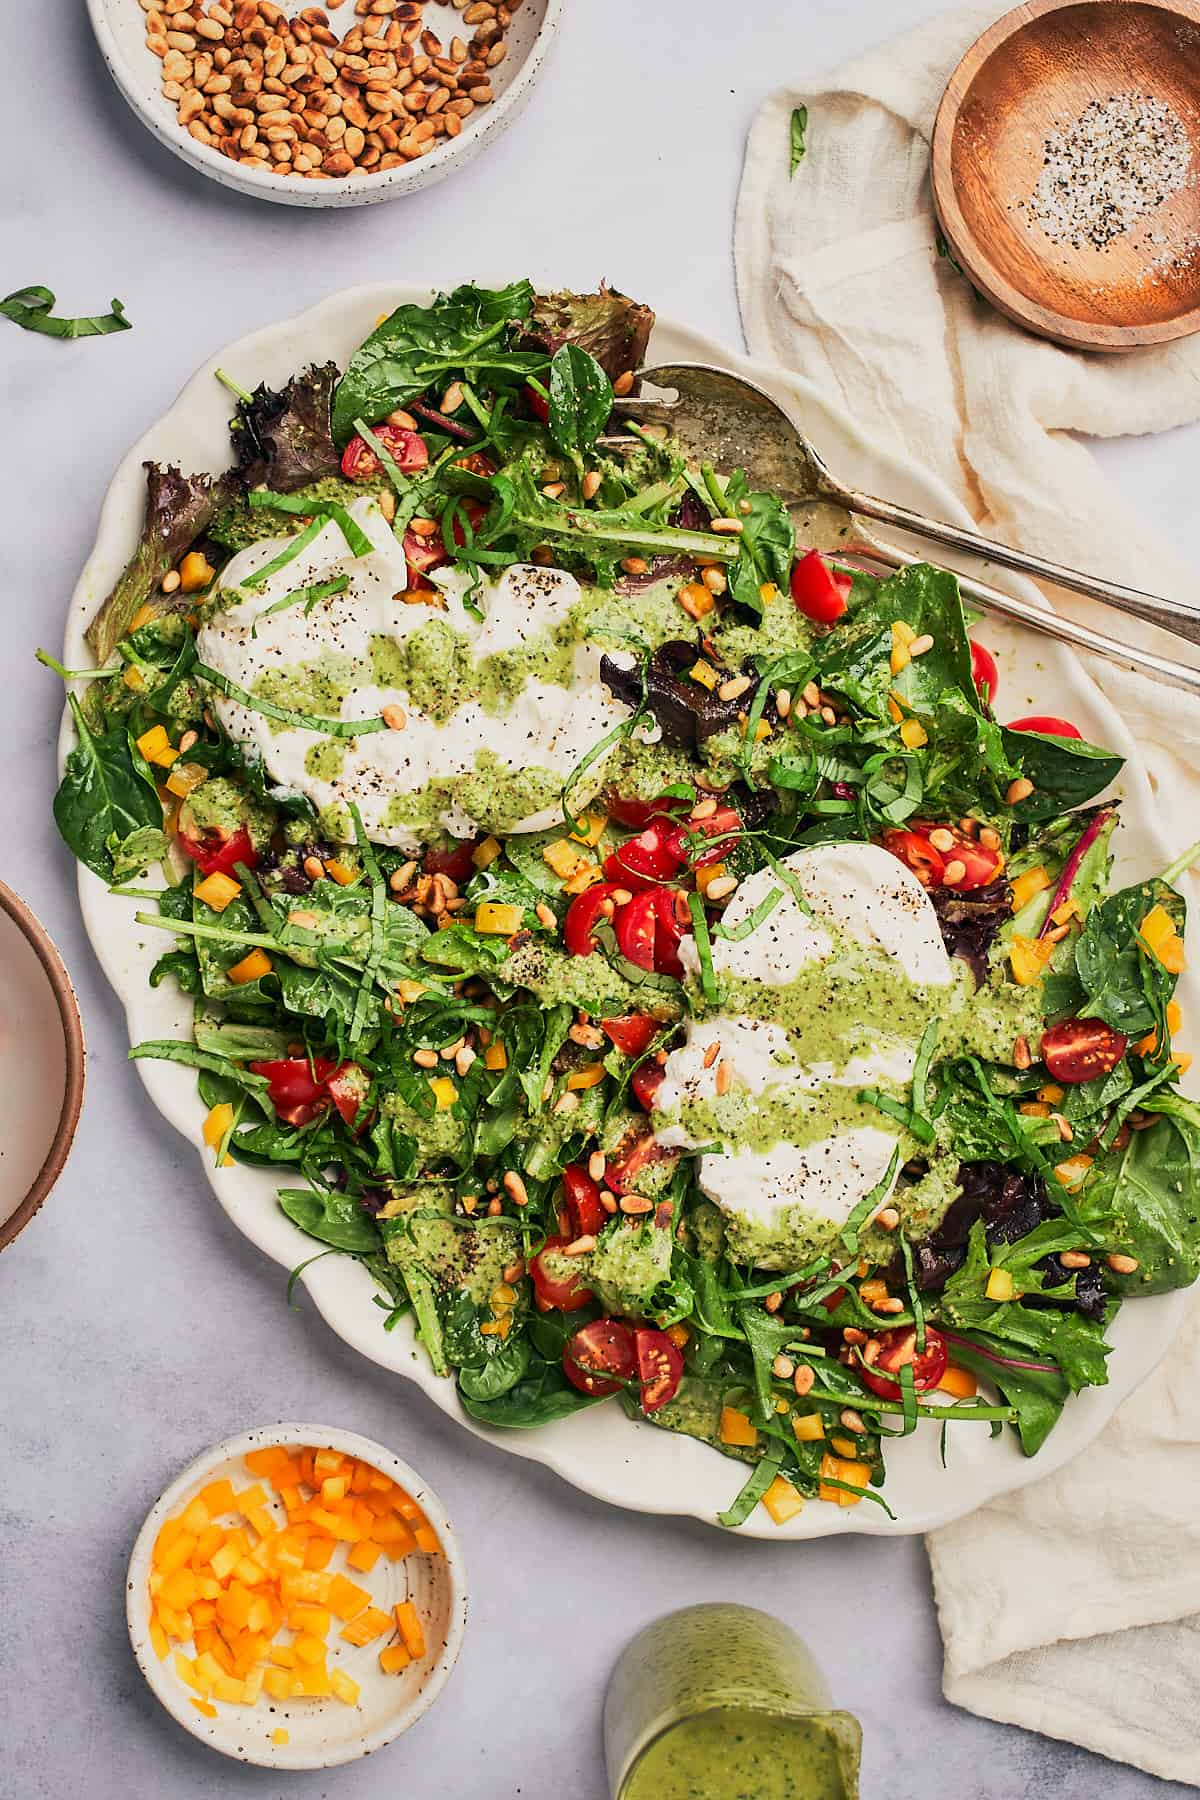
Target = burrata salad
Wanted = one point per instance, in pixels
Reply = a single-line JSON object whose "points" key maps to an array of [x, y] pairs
{"points": [[628, 932]]}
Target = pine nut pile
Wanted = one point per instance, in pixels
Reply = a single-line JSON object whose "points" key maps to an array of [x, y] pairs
{"points": [[287, 97]]}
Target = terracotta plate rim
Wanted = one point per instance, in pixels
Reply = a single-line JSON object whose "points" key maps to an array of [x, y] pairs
{"points": [[972, 253]]}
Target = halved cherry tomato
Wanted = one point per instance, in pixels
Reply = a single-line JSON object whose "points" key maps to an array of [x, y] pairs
{"points": [[454, 860], [407, 449], [596, 1352], [215, 855], [985, 672], [916, 851], [650, 927], [724, 825], [297, 1088], [537, 403], [635, 815], [584, 914], [631, 1034], [649, 857], [660, 1367], [1047, 724], [347, 1088], [567, 1294], [638, 1151], [979, 864], [1080, 1049], [898, 1348], [818, 591], [422, 553], [647, 1079], [585, 1214]]}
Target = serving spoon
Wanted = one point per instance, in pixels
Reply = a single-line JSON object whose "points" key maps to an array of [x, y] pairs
{"points": [[722, 418]]}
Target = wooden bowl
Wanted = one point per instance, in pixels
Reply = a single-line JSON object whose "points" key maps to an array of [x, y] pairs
{"points": [[41, 1065], [1032, 74]]}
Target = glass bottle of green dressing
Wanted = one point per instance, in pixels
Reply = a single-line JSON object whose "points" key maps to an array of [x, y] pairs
{"points": [[723, 1702]]}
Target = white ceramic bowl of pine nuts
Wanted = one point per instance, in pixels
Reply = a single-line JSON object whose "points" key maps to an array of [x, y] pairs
{"points": [[336, 106], [276, 1624]]}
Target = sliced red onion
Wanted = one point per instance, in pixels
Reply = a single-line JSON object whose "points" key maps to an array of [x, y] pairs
{"points": [[1066, 880]]}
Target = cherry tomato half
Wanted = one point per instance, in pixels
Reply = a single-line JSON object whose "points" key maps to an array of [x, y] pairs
{"points": [[454, 860], [818, 591], [585, 1214], [347, 1088], [918, 854], [647, 1079], [636, 1152], [567, 1293], [723, 825], [407, 450], [584, 914], [631, 1034], [979, 864], [1080, 1049], [422, 553], [649, 857], [596, 1353], [650, 927], [215, 855], [660, 1367], [899, 1348], [985, 672], [1047, 724], [635, 815], [297, 1088]]}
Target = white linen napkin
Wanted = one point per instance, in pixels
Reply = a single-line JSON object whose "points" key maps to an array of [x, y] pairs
{"points": [[1072, 1607]]}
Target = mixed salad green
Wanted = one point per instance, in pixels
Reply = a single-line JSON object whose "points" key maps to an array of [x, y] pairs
{"points": [[782, 1069]]}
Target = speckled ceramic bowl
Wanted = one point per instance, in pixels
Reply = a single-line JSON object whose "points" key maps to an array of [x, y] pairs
{"points": [[321, 1733], [120, 28], [41, 1065]]}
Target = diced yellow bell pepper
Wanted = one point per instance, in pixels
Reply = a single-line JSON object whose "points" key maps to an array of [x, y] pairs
{"points": [[141, 617], [900, 657], [370, 1624], [695, 599], [133, 678], [195, 572], [768, 593], [346, 1597], [1069, 909], [1182, 1060], [205, 1707], [408, 1624], [782, 1500], [913, 734], [251, 968], [836, 1468], [152, 741], [999, 1285], [217, 1123], [1073, 1172], [337, 871], [1148, 1045], [705, 674], [411, 990], [959, 1382], [808, 1427], [497, 919], [589, 1076], [895, 710], [483, 855], [1027, 885], [394, 1659], [844, 1446], [585, 876], [217, 891], [344, 1688], [593, 830], [1051, 1094], [562, 857], [495, 1057], [1029, 957], [444, 1092], [736, 1428], [364, 1556], [185, 778], [279, 1736], [497, 1327], [1156, 929], [903, 631]]}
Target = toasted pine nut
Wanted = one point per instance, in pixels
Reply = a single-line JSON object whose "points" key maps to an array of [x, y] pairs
{"points": [[712, 1053], [783, 702], [394, 717], [774, 1301], [721, 888], [1074, 1259], [941, 839], [634, 1205], [954, 872], [1021, 1054], [589, 487], [1122, 1265], [920, 645], [452, 399], [425, 1059], [804, 1379], [624, 383], [596, 1165], [581, 1246], [545, 915], [783, 1368], [314, 868], [734, 688], [714, 579], [1019, 790], [989, 839], [888, 1219], [853, 1421], [515, 1188], [724, 1077], [634, 565], [726, 527]]}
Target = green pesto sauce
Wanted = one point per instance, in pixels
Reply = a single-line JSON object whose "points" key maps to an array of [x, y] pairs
{"points": [[734, 1753], [588, 982], [219, 804], [467, 1259], [324, 761], [317, 688], [437, 1134], [495, 796], [434, 667], [628, 1263]]}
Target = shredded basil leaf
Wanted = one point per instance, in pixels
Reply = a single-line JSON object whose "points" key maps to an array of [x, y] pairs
{"points": [[32, 308]]}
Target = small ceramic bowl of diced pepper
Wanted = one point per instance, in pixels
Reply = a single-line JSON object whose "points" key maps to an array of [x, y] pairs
{"points": [[297, 1597]]}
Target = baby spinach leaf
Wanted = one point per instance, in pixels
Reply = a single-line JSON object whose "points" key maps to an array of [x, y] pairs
{"points": [[332, 1217], [499, 1374], [134, 853], [541, 1395], [1065, 772], [33, 309], [102, 798], [766, 546], [1124, 984], [581, 398], [1146, 1204]]}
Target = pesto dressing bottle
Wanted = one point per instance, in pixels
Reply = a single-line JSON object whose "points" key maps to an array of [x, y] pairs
{"points": [[723, 1702]]}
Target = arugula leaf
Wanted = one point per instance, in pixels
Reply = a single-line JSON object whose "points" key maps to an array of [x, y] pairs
{"points": [[797, 145], [102, 800], [33, 309], [581, 399]]}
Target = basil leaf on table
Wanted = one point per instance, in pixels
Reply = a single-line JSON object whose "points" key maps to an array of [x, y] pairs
{"points": [[32, 308], [102, 797], [797, 145]]}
